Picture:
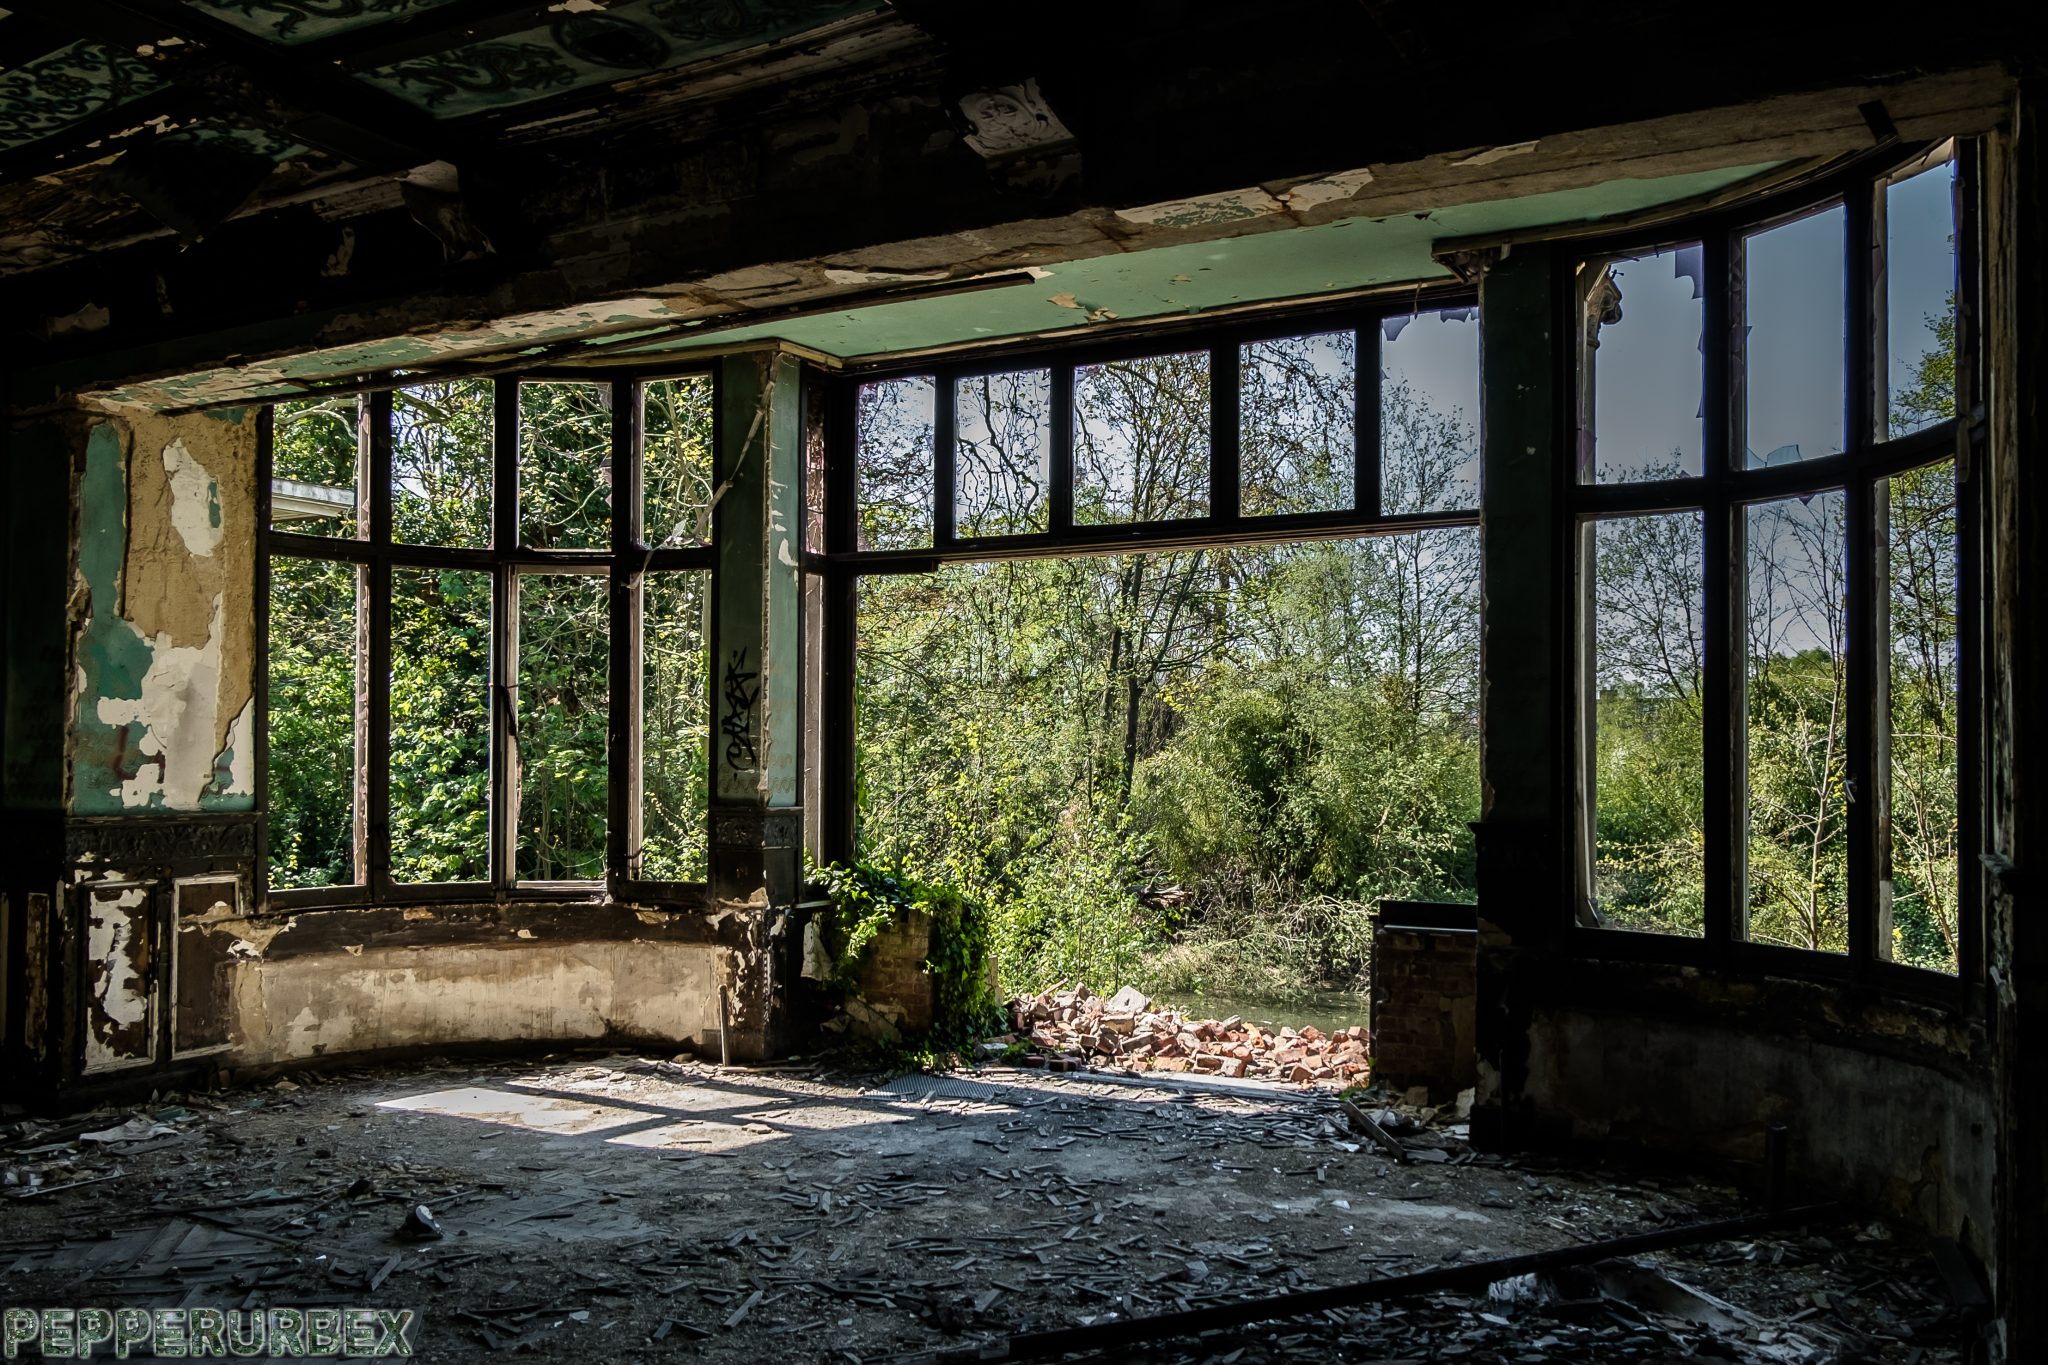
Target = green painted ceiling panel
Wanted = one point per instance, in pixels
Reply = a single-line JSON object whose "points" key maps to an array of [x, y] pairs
{"points": [[48, 94], [298, 21], [1351, 253]]}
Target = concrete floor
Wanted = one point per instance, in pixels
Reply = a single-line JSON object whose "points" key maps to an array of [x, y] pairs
{"points": [[628, 1208]]}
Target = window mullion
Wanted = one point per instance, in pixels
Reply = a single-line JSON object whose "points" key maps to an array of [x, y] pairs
{"points": [[1365, 425], [1226, 498], [944, 492], [1970, 452], [373, 683], [1869, 909], [622, 764], [1724, 799], [504, 794]]}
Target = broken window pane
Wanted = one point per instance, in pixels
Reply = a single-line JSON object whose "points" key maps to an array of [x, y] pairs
{"points": [[312, 778], [564, 720], [1429, 411], [1925, 697], [675, 743], [1920, 298], [675, 460], [565, 466], [1001, 452], [1648, 756], [1297, 419], [1645, 320], [1797, 712], [893, 453], [1795, 337], [441, 442], [313, 467], [1141, 439], [440, 724]]}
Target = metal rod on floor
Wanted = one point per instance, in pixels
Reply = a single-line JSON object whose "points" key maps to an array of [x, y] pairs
{"points": [[1061, 1341]]}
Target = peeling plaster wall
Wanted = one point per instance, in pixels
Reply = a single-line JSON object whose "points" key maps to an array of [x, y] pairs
{"points": [[386, 998], [163, 615]]}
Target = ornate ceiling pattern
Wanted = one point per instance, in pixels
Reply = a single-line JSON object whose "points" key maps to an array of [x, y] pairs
{"points": [[49, 94], [301, 21], [580, 49], [189, 112]]}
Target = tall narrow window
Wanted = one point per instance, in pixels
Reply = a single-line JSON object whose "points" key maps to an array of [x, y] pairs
{"points": [[563, 714], [1920, 296], [1924, 844], [1798, 722], [1297, 421], [313, 468], [442, 439], [446, 688], [674, 757], [893, 455], [1794, 376], [1646, 321], [314, 813], [440, 784], [1649, 642], [565, 466], [1794, 340], [675, 474], [1002, 453], [1429, 411]]}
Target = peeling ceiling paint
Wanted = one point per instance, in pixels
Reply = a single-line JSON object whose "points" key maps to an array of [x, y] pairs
{"points": [[1274, 261], [1348, 254]]}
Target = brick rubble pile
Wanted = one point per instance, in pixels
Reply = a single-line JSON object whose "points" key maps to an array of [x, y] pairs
{"points": [[1125, 1030]]}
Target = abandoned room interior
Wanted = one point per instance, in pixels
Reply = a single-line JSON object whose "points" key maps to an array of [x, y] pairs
{"points": [[682, 676]]}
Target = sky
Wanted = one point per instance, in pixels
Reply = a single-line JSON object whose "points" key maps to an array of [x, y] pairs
{"points": [[1647, 394], [1647, 390]]}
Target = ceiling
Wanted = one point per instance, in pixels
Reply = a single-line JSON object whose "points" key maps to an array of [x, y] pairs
{"points": [[1344, 256], [388, 83], [1101, 293]]}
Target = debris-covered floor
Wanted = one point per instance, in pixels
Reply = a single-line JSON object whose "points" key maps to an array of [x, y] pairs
{"points": [[626, 1208]]}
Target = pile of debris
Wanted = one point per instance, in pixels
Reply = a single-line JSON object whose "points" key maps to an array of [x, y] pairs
{"points": [[1125, 1030]]}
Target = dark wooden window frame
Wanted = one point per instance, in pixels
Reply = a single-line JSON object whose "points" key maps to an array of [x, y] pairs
{"points": [[1721, 494], [373, 552], [842, 565]]}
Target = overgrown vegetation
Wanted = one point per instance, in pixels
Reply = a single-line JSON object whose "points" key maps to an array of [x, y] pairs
{"points": [[1192, 770], [867, 901], [441, 628], [1650, 871]]}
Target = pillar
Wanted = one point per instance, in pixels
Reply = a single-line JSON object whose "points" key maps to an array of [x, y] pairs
{"points": [[1521, 835], [757, 632]]}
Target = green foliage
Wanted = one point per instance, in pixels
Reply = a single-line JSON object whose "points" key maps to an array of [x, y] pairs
{"points": [[441, 641], [868, 900], [1290, 732]]}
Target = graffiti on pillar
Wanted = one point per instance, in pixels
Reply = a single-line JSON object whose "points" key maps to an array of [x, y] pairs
{"points": [[742, 691]]}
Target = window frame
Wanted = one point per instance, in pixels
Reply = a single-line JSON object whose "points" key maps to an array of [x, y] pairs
{"points": [[841, 564], [1722, 494], [623, 563]]}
